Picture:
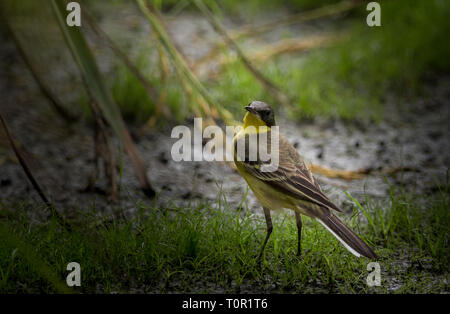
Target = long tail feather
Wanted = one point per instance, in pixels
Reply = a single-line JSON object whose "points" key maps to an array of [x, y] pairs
{"points": [[346, 236]]}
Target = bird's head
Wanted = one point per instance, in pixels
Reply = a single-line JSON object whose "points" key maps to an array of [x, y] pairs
{"points": [[261, 111]]}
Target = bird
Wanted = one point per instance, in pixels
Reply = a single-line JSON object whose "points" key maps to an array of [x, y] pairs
{"points": [[290, 186]]}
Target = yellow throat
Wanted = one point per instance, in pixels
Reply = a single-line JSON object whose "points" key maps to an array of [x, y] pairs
{"points": [[252, 120]]}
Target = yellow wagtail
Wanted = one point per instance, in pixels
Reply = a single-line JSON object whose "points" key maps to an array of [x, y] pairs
{"points": [[291, 185]]}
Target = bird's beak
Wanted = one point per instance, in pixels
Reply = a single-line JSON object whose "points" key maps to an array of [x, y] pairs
{"points": [[250, 109]]}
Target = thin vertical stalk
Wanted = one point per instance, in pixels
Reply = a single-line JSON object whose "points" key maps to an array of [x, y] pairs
{"points": [[179, 62], [215, 23]]}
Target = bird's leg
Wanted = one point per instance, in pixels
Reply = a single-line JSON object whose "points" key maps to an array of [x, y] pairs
{"points": [[269, 231], [298, 219]]}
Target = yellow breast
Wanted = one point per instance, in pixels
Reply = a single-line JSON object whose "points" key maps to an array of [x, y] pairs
{"points": [[266, 195]]}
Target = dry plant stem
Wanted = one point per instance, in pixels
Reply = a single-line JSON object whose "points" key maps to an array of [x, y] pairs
{"points": [[163, 64], [292, 45], [98, 92], [355, 174], [110, 165], [137, 161], [24, 164], [196, 100], [397, 169], [164, 67], [45, 90], [274, 90], [283, 46], [30, 177], [153, 94], [336, 173], [93, 177], [104, 151], [178, 61], [161, 20], [188, 91], [295, 19], [309, 15]]}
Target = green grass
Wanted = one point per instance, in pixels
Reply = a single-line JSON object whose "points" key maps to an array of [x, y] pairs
{"points": [[206, 249], [356, 76], [133, 99], [131, 96]]}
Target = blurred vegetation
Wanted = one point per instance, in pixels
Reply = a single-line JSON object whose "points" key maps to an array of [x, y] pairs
{"points": [[349, 78], [353, 77], [248, 8], [133, 99], [356, 75]]}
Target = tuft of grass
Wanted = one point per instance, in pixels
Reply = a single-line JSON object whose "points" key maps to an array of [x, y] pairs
{"points": [[210, 249]]}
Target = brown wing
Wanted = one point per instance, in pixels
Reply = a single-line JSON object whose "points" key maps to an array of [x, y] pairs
{"points": [[292, 176]]}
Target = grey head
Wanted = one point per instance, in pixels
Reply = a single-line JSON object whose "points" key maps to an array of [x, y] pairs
{"points": [[262, 111]]}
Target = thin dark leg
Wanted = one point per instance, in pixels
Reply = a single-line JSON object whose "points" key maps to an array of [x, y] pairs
{"points": [[269, 231], [298, 218]]}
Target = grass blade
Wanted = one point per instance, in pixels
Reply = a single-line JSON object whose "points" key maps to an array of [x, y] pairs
{"points": [[153, 94], [30, 176], [178, 60], [34, 260], [99, 93], [24, 164], [215, 23], [304, 16], [46, 91], [365, 212]]}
